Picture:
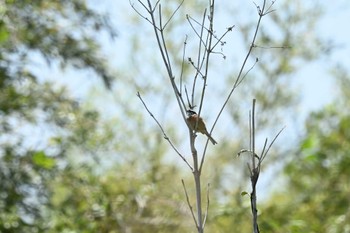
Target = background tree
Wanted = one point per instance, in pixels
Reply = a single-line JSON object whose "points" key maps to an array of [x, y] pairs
{"points": [[69, 165], [316, 193], [36, 117]]}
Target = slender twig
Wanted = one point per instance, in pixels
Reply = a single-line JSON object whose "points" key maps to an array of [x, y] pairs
{"points": [[207, 209], [229, 29], [239, 76], [198, 67], [198, 72], [164, 134], [189, 203], [273, 47], [165, 57], [202, 25], [140, 14], [263, 155], [183, 64], [253, 133], [248, 71], [254, 173], [250, 131], [264, 148], [172, 15], [253, 167], [206, 67]]}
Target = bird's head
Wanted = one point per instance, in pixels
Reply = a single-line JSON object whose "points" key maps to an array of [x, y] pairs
{"points": [[191, 112]]}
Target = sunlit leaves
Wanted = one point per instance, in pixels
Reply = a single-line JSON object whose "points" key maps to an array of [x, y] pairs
{"points": [[42, 160], [318, 185]]}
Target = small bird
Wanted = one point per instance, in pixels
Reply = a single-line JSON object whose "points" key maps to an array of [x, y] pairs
{"points": [[192, 121]]}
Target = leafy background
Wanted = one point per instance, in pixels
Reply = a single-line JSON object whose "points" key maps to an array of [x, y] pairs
{"points": [[79, 153]]}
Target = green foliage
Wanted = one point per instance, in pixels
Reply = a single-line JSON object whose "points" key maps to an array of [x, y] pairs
{"points": [[42, 160], [84, 175], [318, 185], [60, 32], [121, 199]]}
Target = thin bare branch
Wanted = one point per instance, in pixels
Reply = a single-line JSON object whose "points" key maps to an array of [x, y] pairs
{"points": [[165, 49], [207, 209], [188, 99], [274, 47], [165, 57], [250, 131], [253, 167], [172, 15], [269, 10], [198, 71], [164, 134], [268, 149], [183, 64], [189, 203], [190, 19], [239, 76], [198, 67], [248, 71], [264, 148], [219, 40], [254, 172], [140, 14], [206, 67], [200, 57], [253, 133], [144, 6]]}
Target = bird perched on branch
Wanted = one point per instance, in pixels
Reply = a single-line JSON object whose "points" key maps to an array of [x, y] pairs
{"points": [[192, 121]]}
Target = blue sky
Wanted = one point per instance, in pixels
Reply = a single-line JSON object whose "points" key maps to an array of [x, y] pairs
{"points": [[314, 80]]}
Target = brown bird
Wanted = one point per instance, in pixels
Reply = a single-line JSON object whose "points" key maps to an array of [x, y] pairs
{"points": [[192, 121]]}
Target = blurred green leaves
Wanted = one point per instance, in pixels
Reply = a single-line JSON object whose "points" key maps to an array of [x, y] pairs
{"points": [[40, 159], [88, 174], [317, 189], [39, 121]]}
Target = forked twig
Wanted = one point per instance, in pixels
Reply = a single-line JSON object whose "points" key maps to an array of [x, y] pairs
{"points": [[255, 168], [240, 78], [263, 155]]}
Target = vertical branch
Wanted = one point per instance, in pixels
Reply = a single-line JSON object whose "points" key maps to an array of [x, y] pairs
{"points": [[207, 209], [255, 166], [240, 75], [182, 65], [199, 62], [159, 34], [202, 70], [253, 133], [202, 60], [208, 52], [206, 56], [254, 174], [197, 181]]}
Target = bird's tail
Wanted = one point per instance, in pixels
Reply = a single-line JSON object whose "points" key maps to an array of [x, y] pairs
{"points": [[211, 139]]}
